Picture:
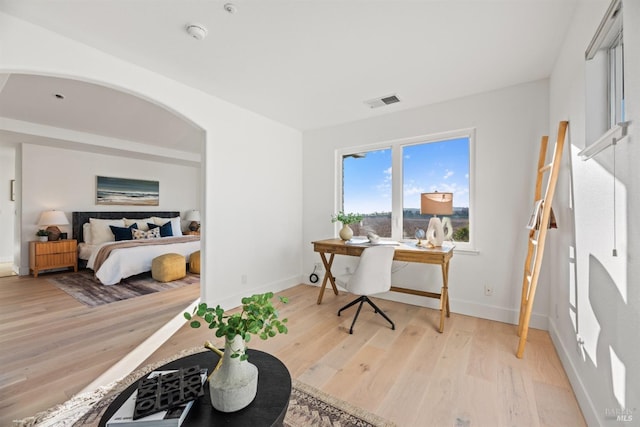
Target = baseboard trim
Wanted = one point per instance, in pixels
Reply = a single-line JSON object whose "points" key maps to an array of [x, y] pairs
{"points": [[587, 407]]}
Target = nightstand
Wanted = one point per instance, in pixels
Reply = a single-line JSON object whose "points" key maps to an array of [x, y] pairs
{"points": [[54, 254]]}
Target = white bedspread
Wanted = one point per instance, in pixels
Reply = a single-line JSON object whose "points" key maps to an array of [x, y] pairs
{"points": [[127, 262]]}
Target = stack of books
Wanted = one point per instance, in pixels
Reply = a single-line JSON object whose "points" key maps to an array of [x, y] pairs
{"points": [[162, 399]]}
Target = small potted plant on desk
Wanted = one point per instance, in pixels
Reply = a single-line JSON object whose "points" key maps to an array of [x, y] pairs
{"points": [[351, 218], [43, 235], [234, 381]]}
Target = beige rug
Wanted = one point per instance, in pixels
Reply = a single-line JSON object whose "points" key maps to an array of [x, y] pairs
{"points": [[89, 291], [308, 406]]}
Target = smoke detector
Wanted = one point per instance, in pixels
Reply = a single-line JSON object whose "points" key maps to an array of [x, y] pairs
{"points": [[382, 101], [197, 31]]}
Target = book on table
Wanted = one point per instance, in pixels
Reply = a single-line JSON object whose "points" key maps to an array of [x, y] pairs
{"points": [[173, 416]]}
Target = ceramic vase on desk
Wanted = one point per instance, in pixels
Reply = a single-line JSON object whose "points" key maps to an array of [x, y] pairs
{"points": [[346, 232], [234, 383]]}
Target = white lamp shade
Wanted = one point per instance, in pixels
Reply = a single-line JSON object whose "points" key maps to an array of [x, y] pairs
{"points": [[192, 215], [53, 217], [436, 203]]}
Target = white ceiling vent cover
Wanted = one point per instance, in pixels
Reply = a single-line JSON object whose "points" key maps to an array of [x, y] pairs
{"points": [[382, 101]]}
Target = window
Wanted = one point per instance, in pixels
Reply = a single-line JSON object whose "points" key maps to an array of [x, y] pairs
{"points": [[384, 183], [605, 75]]}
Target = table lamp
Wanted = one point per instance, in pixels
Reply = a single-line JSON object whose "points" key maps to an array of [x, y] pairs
{"points": [[436, 204], [193, 216], [51, 219]]}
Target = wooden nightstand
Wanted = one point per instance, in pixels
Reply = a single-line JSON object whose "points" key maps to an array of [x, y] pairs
{"points": [[50, 255]]}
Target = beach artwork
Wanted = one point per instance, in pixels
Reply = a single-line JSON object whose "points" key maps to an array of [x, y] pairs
{"points": [[123, 191]]}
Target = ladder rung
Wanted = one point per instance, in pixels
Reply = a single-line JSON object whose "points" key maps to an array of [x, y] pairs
{"points": [[545, 168]]}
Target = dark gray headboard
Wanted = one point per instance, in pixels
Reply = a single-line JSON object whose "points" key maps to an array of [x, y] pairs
{"points": [[79, 218]]}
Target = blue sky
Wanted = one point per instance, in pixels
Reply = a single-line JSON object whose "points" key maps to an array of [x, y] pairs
{"points": [[437, 166]]}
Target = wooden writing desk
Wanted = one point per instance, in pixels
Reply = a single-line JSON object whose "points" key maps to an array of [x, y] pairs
{"points": [[406, 252]]}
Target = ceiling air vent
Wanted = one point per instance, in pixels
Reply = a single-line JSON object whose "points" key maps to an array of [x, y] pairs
{"points": [[385, 100]]}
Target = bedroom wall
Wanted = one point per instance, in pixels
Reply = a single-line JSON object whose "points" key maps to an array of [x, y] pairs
{"points": [[65, 180], [7, 207], [249, 162], [509, 124], [595, 298]]}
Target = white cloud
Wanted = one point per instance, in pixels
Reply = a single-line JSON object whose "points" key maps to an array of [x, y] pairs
{"points": [[447, 174]]}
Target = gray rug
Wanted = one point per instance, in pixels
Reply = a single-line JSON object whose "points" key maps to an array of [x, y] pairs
{"points": [[89, 291], [308, 406]]}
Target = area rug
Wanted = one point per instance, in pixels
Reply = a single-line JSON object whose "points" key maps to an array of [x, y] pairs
{"points": [[89, 291], [308, 406]]}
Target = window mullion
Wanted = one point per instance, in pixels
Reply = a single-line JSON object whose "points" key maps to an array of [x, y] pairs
{"points": [[397, 194]]}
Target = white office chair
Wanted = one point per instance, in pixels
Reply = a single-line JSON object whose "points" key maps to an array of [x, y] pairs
{"points": [[372, 276]]}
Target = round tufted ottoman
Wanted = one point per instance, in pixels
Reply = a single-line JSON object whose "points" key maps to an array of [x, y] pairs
{"points": [[168, 267], [194, 262]]}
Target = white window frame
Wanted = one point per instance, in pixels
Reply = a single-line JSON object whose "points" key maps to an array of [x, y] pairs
{"points": [[397, 183]]}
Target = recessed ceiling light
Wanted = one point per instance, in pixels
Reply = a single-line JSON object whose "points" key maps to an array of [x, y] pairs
{"points": [[231, 8], [58, 95], [197, 31]]}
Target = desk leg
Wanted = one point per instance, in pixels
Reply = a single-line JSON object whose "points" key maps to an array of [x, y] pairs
{"points": [[327, 276], [444, 295]]}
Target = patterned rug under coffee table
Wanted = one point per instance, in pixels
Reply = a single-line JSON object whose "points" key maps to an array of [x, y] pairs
{"points": [[84, 287], [308, 406]]}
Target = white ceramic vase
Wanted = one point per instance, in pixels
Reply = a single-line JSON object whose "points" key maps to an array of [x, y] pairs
{"points": [[346, 232], [234, 384]]}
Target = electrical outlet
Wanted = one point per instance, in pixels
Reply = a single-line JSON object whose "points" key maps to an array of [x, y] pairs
{"points": [[488, 290]]}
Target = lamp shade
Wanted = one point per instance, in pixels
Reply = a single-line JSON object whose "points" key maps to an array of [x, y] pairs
{"points": [[192, 215], [436, 203], [53, 217]]}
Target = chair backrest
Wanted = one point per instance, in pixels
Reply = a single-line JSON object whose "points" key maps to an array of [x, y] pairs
{"points": [[373, 274]]}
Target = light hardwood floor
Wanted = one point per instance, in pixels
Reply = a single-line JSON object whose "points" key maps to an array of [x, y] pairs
{"points": [[52, 347]]}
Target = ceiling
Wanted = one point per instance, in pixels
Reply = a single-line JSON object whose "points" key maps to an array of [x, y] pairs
{"points": [[305, 63]]}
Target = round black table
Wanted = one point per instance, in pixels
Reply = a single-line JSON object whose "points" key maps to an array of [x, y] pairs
{"points": [[267, 409]]}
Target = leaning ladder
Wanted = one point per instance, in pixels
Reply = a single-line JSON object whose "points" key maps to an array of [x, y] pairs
{"points": [[538, 233]]}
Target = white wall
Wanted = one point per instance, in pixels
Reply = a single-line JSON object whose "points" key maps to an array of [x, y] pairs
{"points": [[251, 190], [7, 207], [595, 298], [509, 124], [65, 180]]}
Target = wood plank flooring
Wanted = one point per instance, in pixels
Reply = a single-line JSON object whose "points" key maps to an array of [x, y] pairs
{"points": [[53, 346]]}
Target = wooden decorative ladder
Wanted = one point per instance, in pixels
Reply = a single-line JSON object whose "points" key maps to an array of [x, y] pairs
{"points": [[538, 234]]}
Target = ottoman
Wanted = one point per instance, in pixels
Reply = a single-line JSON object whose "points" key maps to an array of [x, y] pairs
{"points": [[168, 267], [194, 262]]}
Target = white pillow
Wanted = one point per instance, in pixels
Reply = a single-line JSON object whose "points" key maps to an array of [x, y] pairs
{"points": [[86, 233], [142, 223], [176, 224], [100, 231]]}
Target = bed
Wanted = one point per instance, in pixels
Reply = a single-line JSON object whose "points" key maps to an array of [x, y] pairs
{"points": [[112, 260]]}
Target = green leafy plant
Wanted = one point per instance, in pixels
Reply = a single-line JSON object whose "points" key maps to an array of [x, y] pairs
{"points": [[258, 317], [42, 232], [346, 219]]}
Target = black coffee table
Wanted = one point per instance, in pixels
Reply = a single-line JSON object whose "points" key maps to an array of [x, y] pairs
{"points": [[267, 409]]}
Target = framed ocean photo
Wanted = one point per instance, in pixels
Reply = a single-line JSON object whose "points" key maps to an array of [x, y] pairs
{"points": [[124, 191]]}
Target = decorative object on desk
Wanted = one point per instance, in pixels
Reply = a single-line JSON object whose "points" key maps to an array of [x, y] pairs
{"points": [[373, 237], [420, 234], [351, 218], [52, 219], [43, 235], [233, 383], [194, 217], [436, 204]]}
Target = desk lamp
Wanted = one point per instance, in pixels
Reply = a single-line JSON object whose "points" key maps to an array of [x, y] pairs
{"points": [[193, 216], [436, 204], [51, 219]]}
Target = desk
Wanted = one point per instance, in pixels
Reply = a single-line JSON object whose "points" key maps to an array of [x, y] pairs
{"points": [[267, 409], [406, 252]]}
